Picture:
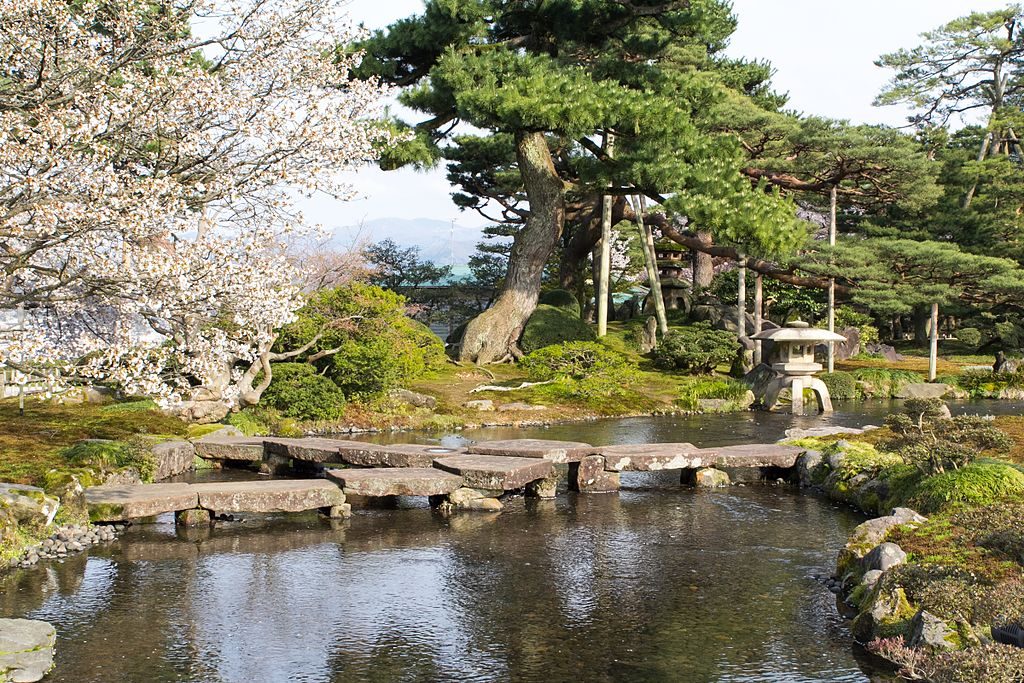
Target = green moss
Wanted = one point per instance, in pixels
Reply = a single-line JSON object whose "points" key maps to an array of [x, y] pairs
{"points": [[975, 485], [112, 455], [561, 298], [199, 431], [143, 405], [693, 389]]}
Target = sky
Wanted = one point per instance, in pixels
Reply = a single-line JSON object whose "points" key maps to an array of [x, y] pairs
{"points": [[823, 52]]}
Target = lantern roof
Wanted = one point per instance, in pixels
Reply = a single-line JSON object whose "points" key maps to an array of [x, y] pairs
{"points": [[799, 331]]}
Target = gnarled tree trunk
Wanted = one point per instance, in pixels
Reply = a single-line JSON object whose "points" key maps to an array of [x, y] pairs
{"points": [[493, 335], [703, 264]]}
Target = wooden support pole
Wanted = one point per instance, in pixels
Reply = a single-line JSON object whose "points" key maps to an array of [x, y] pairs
{"points": [[832, 281], [602, 292], [741, 299], [651, 261], [933, 353], [758, 316]]}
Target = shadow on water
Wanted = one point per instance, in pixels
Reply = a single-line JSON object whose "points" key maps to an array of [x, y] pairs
{"points": [[656, 583]]}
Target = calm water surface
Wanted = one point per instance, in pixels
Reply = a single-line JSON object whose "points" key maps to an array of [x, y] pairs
{"points": [[657, 583]]}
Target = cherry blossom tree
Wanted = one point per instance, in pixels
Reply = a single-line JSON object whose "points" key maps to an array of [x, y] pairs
{"points": [[150, 155]]}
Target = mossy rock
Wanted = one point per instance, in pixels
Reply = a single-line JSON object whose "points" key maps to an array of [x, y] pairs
{"points": [[550, 325], [887, 613]]}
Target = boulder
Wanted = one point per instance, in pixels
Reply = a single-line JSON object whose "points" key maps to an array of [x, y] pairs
{"points": [[888, 613], [473, 499], [518, 407], [872, 533], [884, 350], [649, 336], [483, 405], [870, 578], [806, 464], [173, 458], [923, 390], [883, 557], [799, 433], [26, 649], [27, 504], [591, 476], [928, 630], [414, 399], [710, 478]]}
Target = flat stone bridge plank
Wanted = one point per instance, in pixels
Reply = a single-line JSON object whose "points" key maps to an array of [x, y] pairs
{"points": [[555, 451], [396, 481], [243, 448], [651, 457], [120, 503], [274, 495], [311, 449], [753, 455], [495, 472], [394, 455]]}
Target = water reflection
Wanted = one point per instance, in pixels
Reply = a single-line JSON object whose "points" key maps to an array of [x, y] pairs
{"points": [[701, 430], [641, 586]]}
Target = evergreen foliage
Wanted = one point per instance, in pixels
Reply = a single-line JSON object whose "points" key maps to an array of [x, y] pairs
{"points": [[697, 349], [550, 325], [299, 392]]}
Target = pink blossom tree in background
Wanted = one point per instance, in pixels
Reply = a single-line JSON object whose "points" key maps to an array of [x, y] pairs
{"points": [[149, 153]]}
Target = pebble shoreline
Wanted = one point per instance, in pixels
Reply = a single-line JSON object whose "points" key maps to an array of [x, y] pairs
{"points": [[64, 541]]}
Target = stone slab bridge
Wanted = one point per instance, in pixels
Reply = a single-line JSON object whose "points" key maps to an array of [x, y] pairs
{"points": [[345, 473]]}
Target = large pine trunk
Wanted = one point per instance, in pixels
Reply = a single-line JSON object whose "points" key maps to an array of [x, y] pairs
{"points": [[493, 335], [703, 264]]}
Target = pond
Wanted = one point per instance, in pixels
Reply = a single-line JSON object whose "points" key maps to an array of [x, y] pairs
{"points": [[655, 583]]}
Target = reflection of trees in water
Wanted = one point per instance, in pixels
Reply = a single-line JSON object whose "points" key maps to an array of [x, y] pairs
{"points": [[682, 585]]}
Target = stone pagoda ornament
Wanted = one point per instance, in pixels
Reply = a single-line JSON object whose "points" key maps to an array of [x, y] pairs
{"points": [[794, 365]]}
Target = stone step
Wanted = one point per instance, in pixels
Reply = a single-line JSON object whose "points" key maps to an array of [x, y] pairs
{"points": [[495, 472], [396, 481], [393, 455], [119, 503], [651, 457], [308, 449], [230, 448], [555, 451], [752, 455], [274, 495]]}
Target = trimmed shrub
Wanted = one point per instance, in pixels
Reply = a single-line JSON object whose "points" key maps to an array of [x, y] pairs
{"points": [[549, 326], [841, 385], [264, 421], [561, 298], [298, 391], [969, 336], [697, 349], [582, 369]]}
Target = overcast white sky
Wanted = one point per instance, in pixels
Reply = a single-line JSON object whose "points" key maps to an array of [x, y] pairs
{"points": [[823, 52]]}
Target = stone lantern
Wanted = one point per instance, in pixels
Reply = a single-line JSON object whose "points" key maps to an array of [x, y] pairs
{"points": [[794, 365]]}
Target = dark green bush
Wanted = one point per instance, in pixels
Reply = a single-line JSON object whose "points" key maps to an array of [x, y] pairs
{"points": [[969, 336], [376, 346], [561, 298], [298, 391], [697, 349], [841, 385], [550, 325]]}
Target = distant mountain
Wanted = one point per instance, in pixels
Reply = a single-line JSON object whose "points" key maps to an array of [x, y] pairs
{"points": [[439, 241]]}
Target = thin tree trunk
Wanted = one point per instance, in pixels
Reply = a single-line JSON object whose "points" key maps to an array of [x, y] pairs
{"points": [[832, 281], [703, 264], [493, 335], [651, 261], [605, 250], [933, 353]]}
